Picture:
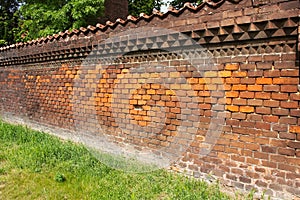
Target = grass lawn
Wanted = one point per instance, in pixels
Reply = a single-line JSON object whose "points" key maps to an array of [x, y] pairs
{"points": [[35, 165]]}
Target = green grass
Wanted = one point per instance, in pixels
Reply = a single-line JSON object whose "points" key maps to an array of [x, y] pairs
{"points": [[35, 165]]}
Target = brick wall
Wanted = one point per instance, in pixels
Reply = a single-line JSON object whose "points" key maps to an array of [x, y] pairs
{"points": [[216, 84]]}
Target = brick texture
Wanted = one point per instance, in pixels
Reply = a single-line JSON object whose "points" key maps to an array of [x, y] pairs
{"points": [[140, 90]]}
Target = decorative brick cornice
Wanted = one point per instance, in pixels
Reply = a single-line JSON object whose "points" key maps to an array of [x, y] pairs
{"points": [[251, 25]]}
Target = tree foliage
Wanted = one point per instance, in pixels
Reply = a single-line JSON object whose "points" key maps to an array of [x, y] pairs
{"points": [[45, 17], [8, 21], [135, 7], [23, 20], [180, 3]]}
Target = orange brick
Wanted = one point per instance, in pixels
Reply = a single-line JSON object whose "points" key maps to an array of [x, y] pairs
{"points": [[232, 94], [232, 66], [210, 74], [239, 87], [150, 91], [247, 109], [217, 80], [232, 108], [224, 73], [239, 74], [295, 129], [232, 80], [264, 81], [174, 74], [193, 80]]}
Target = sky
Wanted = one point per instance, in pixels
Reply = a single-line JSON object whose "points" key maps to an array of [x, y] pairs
{"points": [[164, 8]]}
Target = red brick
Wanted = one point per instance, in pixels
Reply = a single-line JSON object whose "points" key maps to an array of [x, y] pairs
{"points": [[238, 116], [254, 117], [261, 155], [270, 118], [269, 164], [248, 81], [248, 67], [295, 97], [289, 104], [264, 65], [285, 65], [247, 95], [263, 110], [269, 149], [270, 134], [292, 144], [262, 95], [263, 141], [255, 73], [241, 102], [289, 136], [272, 73], [290, 73], [239, 74], [261, 183], [232, 80], [252, 161], [271, 103], [279, 96], [271, 88], [262, 125], [288, 120], [295, 113], [286, 151], [255, 87], [252, 146], [280, 111], [288, 88], [254, 102], [286, 81]]}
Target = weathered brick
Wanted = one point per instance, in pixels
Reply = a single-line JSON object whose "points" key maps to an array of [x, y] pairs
{"points": [[254, 102], [271, 88], [263, 110], [285, 81], [288, 88], [289, 104], [247, 95], [280, 111], [271, 103], [255, 87], [286, 151], [279, 96], [264, 65], [262, 95]]}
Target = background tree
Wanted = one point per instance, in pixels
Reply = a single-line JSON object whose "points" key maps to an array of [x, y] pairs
{"points": [[135, 7], [23, 20], [45, 17], [180, 3], [8, 21]]}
